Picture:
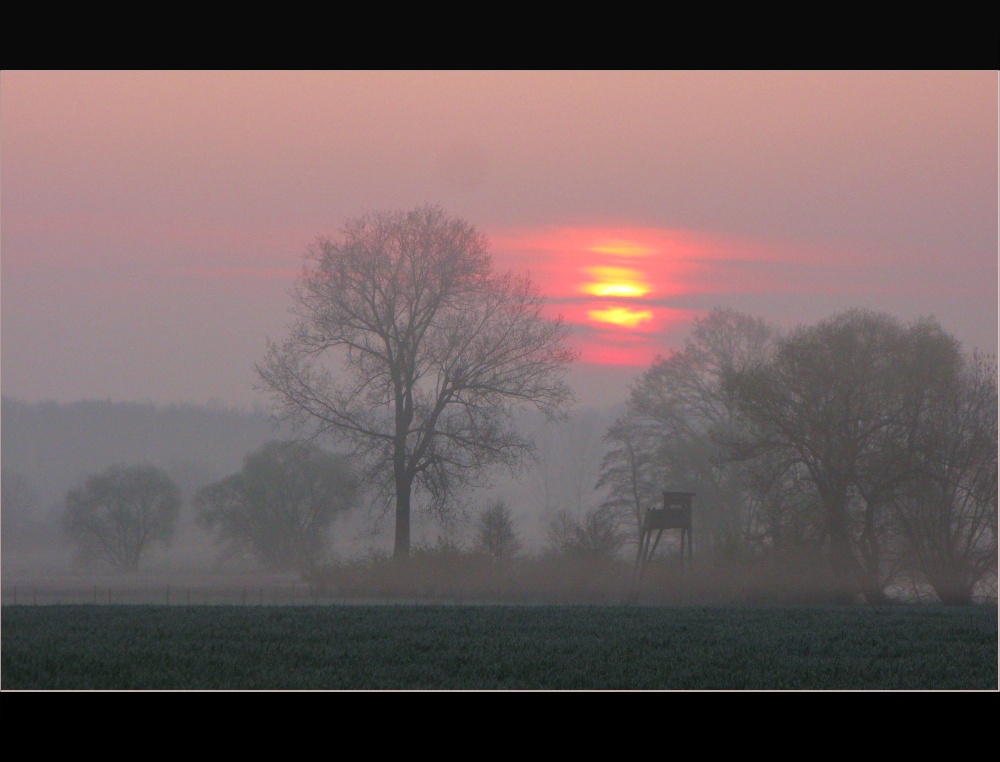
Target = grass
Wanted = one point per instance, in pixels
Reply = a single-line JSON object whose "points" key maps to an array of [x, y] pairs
{"points": [[523, 648]]}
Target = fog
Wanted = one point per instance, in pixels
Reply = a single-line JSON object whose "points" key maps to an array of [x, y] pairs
{"points": [[906, 419], [50, 448], [157, 225]]}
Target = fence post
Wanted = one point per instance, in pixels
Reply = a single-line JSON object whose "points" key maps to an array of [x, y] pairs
{"points": [[244, 601]]}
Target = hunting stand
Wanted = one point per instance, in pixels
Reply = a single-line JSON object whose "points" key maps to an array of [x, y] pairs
{"points": [[675, 514]]}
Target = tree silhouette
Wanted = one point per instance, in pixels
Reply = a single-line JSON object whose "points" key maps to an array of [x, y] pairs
{"points": [[841, 405], [412, 352], [121, 512], [281, 504]]}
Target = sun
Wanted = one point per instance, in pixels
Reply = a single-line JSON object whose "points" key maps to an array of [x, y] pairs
{"points": [[623, 316], [614, 285], [615, 281], [618, 282]]}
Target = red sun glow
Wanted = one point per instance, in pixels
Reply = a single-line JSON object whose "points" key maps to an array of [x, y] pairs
{"points": [[613, 286]]}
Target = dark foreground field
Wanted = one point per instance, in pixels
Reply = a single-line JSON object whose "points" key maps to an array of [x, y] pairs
{"points": [[410, 647]]}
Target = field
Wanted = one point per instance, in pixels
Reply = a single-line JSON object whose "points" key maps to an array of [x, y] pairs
{"points": [[403, 646]]}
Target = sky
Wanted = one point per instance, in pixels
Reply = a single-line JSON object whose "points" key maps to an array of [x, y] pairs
{"points": [[152, 223]]}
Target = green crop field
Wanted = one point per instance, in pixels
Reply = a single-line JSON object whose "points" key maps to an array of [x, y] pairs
{"points": [[528, 648]]}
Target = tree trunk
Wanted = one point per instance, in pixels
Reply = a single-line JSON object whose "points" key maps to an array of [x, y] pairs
{"points": [[401, 549], [843, 565], [844, 569], [870, 557]]}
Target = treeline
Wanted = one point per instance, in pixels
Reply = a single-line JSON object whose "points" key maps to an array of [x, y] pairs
{"points": [[853, 459], [54, 445], [856, 456], [49, 448]]}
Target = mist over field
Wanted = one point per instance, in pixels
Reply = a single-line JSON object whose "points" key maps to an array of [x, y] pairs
{"points": [[49, 448], [721, 337], [571, 524]]}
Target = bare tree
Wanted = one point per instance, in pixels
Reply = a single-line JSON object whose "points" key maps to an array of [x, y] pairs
{"points": [[597, 534], [495, 532], [281, 505], [433, 352], [674, 416], [948, 511], [838, 408], [121, 512], [630, 474]]}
